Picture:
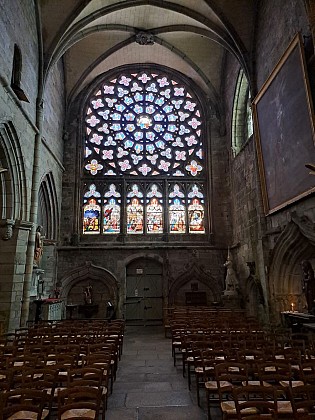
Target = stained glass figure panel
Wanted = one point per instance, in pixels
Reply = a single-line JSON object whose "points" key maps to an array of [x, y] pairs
{"points": [[91, 216], [154, 216], [135, 217], [196, 217], [111, 222], [177, 217], [111, 210]]}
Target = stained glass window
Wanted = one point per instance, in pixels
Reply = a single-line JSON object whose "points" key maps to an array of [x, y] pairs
{"points": [[111, 210], [135, 210], [196, 212], [144, 124], [154, 210], [145, 127], [91, 210]]}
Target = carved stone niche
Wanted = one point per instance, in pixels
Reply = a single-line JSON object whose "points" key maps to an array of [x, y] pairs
{"points": [[37, 283]]}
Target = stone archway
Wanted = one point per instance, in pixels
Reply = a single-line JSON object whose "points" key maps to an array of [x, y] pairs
{"points": [[295, 244], [194, 287], [104, 288]]}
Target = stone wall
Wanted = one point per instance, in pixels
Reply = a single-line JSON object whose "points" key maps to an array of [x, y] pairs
{"points": [[181, 267], [255, 235], [18, 124]]}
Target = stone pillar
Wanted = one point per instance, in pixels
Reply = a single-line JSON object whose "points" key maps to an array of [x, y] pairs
{"points": [[13, 245]]}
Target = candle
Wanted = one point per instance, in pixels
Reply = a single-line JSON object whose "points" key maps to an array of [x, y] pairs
{"points": [[292, 306]]}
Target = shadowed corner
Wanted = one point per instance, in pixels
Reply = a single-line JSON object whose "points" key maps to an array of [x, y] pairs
{"points": [[310, 166]]}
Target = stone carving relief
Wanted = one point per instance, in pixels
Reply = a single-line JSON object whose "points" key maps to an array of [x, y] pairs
{"points": [[144, 38]]}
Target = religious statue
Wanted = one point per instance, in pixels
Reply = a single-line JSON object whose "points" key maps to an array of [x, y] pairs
{"points": [[38, 251], [88, 294], [231, 282], [308, 284]]}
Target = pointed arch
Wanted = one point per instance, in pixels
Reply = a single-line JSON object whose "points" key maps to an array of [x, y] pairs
{"points": [[12, 176], [89, 271], [193, 274], [48, 207], [295, 244]]}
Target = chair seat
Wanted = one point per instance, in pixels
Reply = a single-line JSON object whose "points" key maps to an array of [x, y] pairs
{"points": [[284, 407], [78, 412], [292, 383], [201, 369], [228, 407], [24, 414], [256, 383], [213, 385]]}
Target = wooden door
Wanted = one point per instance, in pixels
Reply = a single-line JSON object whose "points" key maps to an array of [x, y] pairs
{"points": [[144, 291]]}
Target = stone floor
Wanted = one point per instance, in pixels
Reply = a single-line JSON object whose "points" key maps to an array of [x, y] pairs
{"points": [[148, 386]]}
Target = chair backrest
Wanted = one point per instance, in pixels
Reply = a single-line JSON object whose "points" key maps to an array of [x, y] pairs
{"points": [[23, 399], [275, 371], [256, 401], [302, 399]]}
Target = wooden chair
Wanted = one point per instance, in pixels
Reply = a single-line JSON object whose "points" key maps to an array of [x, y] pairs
{"points": [[227, 375], [90, 376], [303, 401], [24, 403], [307, 371], [79, 402], [255, 402]]}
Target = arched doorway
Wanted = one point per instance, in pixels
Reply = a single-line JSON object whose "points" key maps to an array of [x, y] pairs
{"points": [[144, 296]]}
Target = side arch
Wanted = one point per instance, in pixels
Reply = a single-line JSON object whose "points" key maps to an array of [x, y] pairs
{"points": [[194, 274], [104, 284], [12, 176], [295, 244], [48, 207]]}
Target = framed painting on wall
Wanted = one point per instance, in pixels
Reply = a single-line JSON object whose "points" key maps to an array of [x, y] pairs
{"points": [[284, 122]]}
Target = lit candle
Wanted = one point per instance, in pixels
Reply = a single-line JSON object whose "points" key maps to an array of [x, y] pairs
{"points": [[292, 306]]}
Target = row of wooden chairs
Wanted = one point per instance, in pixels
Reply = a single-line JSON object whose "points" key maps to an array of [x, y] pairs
{"points": [[224, 377], [52, 363]]}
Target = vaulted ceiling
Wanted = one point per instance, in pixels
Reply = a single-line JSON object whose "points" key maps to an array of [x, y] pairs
{"points": [[190, 36]]}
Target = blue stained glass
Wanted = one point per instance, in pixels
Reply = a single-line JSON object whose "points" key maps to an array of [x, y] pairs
{"points": [[128, 100], [160, 144], [130, 117], [138, 135], [150, 109], [172, 117], [172, 128], [138, 109], [116, 116], [159, 117], [138, 97], [130, 127], [150, 135], [128, 144], [168, 137], [115, 127], [168, 108], [120, 136], [150, 148], [120, 107], [122, 92], [177, 103], [150, 97], [152, 88], [160, 101], [138, 147], [158, 128]]}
